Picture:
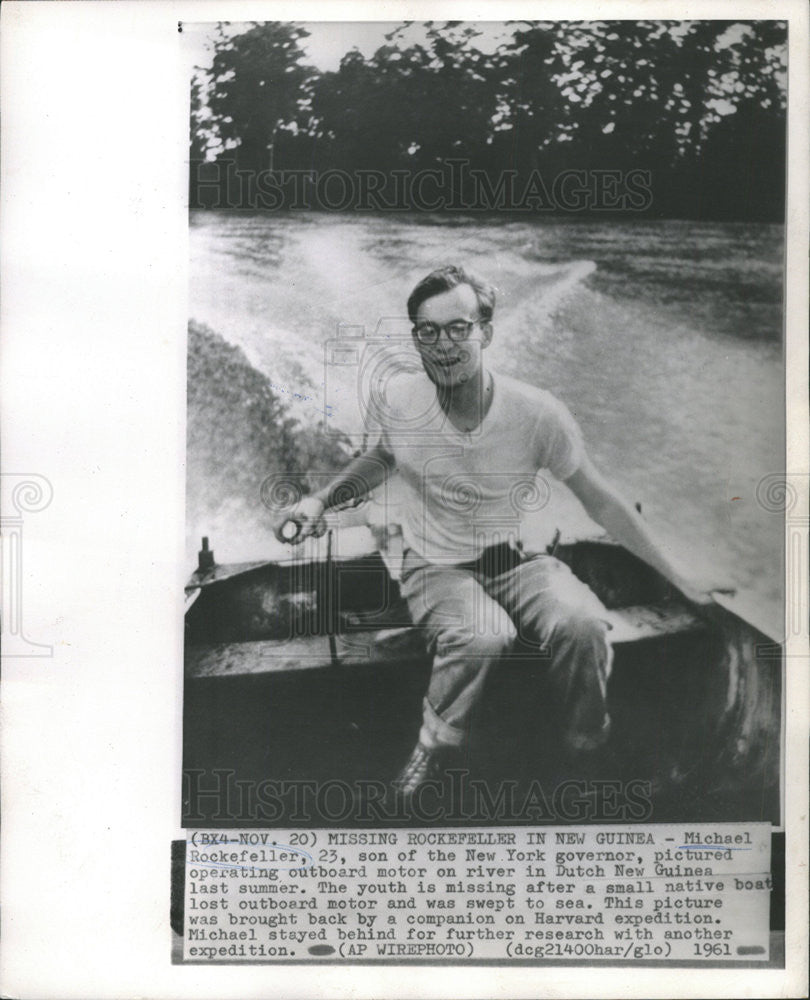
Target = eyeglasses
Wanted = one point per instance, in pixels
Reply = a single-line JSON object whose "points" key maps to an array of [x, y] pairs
{"points": [[458, 331]]}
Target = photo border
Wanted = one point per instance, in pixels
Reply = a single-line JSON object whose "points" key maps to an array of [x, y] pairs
{"points": [[93, 315]]}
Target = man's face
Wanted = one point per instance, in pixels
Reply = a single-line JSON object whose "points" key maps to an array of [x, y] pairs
{"points": [[447, 362]]}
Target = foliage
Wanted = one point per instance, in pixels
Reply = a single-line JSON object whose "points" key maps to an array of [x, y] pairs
{"points": [[675, 98], [412, 106], [257, 86]]}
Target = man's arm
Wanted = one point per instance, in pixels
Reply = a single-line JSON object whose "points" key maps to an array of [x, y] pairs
{"points": [[354, 482], [625, 525]]}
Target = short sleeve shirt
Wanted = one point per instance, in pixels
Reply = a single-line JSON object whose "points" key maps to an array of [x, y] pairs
{"points": [[463, 491]]}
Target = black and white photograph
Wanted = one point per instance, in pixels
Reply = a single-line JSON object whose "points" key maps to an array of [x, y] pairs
{"points": [[404, 499], [485, 408]]}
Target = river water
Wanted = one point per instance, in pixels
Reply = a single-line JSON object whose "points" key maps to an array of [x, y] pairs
{"points": [[663, 338]]}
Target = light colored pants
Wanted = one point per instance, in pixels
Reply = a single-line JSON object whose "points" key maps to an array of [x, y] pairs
{"points": [[471, 621]]}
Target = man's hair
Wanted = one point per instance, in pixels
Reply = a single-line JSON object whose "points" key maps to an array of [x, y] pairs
{"points": [[445, 278]]}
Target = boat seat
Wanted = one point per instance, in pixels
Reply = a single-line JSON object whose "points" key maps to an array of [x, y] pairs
{"points": [[268, 656], [389, 644], [628, 624], [651, 621]]}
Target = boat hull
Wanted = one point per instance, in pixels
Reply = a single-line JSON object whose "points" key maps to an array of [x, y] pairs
{"points": [[312, 671]]}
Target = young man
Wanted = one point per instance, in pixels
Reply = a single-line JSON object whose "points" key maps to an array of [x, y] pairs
{"points": [[462, 439]]}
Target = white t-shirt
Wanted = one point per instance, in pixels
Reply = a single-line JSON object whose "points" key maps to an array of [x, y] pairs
{"points": [[463, 491]]}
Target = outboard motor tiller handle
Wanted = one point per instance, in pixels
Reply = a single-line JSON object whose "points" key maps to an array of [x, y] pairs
{"points": [[290, 530]]}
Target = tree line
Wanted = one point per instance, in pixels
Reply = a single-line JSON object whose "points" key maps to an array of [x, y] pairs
{"points": [[664, 118]]}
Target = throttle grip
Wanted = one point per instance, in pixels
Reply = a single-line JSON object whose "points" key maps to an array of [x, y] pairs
{"points": [[290, 530]]}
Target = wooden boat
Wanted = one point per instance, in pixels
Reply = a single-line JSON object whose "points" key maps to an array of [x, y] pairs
{"points": [[310, 668]]}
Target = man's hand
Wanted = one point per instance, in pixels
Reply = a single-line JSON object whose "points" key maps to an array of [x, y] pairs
{"points": [[304, 520]]}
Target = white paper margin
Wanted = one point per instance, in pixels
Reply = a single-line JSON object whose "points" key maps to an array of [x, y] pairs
{"points": [[92, 319]]}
